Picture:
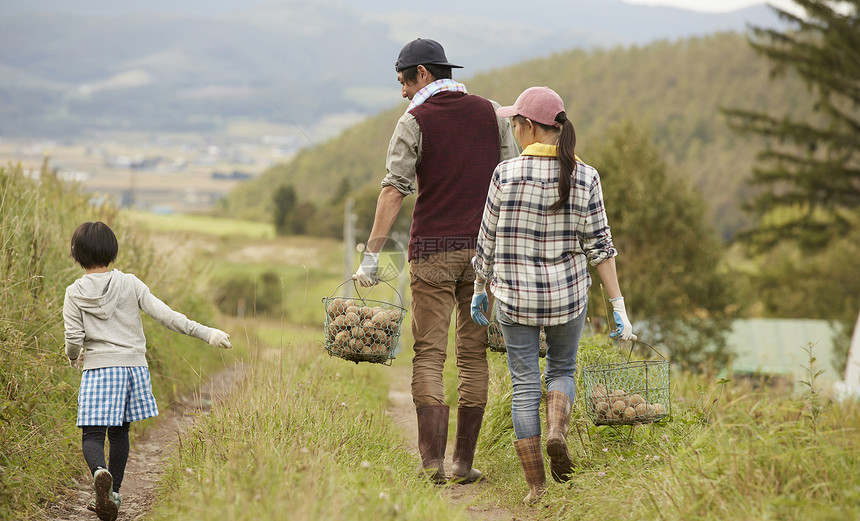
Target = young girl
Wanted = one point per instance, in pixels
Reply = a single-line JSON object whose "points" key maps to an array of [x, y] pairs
{"points": [[104, 336], [543, 222]]}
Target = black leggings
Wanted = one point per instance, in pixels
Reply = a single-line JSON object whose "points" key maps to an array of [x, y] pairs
{"points": [[93, 444]]}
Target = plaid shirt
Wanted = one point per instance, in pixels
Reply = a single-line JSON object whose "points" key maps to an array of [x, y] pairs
{"points": [[537, 261]]}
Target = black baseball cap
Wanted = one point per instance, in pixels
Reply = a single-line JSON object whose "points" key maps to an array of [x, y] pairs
{"points": [[422, 52]]}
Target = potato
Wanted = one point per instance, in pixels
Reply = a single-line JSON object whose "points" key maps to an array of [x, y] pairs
{"points": [[340, 321], [366, 312], [356, 345], [341, 341], [381, 320], [659, 410], [352, 319], [629, 413], [598, 393], [378, 349], [619, 406], [379, 336], [331, 332], [353, 309], [602, 409], [636, 399], [335, 307], [641, 410], [495, 338]]}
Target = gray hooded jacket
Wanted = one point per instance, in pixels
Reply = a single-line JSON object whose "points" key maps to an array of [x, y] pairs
{"points": [[101, 312]]}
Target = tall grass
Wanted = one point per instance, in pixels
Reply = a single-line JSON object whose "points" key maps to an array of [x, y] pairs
{"points": [[305, 438], [730, 450], [39, 443]]}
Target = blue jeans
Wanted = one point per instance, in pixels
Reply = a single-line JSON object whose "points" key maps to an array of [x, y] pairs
{"points": [[523, 343]]}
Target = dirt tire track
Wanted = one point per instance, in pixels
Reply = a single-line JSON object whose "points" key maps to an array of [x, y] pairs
{"points": [[147, 456]]}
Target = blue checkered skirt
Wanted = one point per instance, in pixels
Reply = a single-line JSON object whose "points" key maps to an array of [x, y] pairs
{"points": [[113, 395]]}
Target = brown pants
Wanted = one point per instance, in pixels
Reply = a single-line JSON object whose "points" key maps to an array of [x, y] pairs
{"points": [[441, 284]]}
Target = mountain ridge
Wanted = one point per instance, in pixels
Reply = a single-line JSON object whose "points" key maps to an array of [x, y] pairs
{"points": [[289, 51], [672, 91]]}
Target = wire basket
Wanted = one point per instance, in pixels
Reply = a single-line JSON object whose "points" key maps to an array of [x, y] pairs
{"points": [[628, 393], [496, 341], [361, 329]]}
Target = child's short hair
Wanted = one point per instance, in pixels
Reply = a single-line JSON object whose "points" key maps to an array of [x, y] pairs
{"points": [[94, 245]]}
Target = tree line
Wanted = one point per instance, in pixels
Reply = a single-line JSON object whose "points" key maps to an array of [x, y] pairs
{"points": [[792, 249]]}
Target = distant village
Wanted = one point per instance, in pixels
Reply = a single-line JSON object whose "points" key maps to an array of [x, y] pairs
{"points": [[160, 174]]}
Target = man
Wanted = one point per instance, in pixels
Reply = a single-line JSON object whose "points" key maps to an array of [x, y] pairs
{"points": [[446, 147]]}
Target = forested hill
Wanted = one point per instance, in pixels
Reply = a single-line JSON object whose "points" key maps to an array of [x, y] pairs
{"points": [[671, 90]]}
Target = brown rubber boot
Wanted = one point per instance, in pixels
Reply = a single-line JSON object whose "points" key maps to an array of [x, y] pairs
{"points": [[468, 426], [432, 440], [531, 458], [558, 423]]}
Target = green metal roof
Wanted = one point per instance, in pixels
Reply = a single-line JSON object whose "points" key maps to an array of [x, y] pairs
{"points": [[777, 346]]}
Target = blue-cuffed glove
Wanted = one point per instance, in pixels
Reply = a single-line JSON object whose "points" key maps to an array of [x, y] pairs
{"points": [[480, 304], [624, 329], [366, 274]]}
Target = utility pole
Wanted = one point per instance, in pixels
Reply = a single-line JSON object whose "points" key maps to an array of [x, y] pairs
{"points": [[348, 245]]}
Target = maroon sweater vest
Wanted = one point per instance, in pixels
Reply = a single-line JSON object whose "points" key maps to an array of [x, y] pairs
{"points": [[460, 150]]}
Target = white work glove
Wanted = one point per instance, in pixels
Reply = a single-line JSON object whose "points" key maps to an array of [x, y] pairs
{"points": [[366, 274], [77, 363], [480, 304], [218, 338], [624, 331]]}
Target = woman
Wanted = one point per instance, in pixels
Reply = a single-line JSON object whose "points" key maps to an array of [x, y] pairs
{"points": [[543, 222]]}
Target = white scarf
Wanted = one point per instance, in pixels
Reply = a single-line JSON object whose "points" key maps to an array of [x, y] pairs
{"points": [[437, 86]]}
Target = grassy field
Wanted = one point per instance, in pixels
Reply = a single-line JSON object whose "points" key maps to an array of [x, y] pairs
{"points": [[209, 226], [307, 434], [732, 448]]}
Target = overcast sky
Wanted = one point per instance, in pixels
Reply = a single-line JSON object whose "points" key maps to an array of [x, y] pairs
{"points": [[222, 6], [716, 6]]}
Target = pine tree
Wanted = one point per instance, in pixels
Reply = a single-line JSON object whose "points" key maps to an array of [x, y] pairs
{"points": [[809, 173]]}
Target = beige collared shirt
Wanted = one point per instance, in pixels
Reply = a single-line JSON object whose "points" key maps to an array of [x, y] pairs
{"points": [[404, 151]]}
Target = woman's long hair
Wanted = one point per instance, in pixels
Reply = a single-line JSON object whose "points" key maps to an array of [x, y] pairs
{"points": [[567, 159], [566, 156]]}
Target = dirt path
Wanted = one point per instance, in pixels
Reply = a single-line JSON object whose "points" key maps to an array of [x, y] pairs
{"points": [[148, 453], [401, 411]]}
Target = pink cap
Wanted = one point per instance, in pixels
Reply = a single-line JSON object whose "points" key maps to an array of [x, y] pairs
{"points": [[540, 104]]}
